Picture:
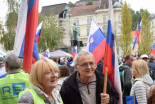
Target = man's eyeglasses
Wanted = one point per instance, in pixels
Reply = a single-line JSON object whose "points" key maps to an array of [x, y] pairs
{"points": [[86, 64]]}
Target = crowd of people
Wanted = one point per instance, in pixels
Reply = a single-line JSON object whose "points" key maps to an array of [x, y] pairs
{"points": [[62, 81]]}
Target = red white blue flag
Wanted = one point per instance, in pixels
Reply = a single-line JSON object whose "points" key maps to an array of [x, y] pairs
{"points": [[153, 49], [110, 57], [37, 36], [96, 42], [26, 30], [137, 36], [74, 52], [36, 40], [47, 53]]}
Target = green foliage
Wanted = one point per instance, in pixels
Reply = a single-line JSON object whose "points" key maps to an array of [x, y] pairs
{"points": [[13, 5], [51, 34], [70, 4], [89, 3], [11, 23], [145, 43], [136, 18], [126, 27]]}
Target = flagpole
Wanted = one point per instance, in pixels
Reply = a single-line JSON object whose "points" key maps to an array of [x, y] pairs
{"points": [[105, 80]]}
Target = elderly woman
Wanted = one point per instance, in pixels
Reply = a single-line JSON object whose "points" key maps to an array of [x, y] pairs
{"points": [[43, 77], [142, 82]]}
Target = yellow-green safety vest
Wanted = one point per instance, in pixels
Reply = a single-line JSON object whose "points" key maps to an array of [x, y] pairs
{"points": [[11, 86], [36, 97]]}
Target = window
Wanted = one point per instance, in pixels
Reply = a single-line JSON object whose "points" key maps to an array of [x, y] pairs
{"points": [[104, 19], [89, 20], [119, 18], [118, 30], [88, 30], [76, 21], [104, 30]]}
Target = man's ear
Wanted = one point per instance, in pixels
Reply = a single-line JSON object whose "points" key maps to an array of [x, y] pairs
{"points": [[76, 67], [6, 67]]}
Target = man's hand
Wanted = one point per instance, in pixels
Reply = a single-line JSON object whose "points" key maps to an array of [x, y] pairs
{"points": [[104, 98]]}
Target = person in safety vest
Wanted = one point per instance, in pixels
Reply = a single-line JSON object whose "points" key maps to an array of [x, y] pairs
{"points": [[15, 81], [43, 77]]}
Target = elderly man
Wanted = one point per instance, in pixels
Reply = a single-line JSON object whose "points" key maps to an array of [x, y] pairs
{"points": [[15, 82], [85, 86]]}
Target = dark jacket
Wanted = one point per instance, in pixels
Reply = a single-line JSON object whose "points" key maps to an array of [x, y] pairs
{"points": [[151, 65], [70, 92], [127, 79], [100, 66]]}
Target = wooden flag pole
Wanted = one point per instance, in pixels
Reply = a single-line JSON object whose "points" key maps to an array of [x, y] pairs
{"points": [[105, 80]]}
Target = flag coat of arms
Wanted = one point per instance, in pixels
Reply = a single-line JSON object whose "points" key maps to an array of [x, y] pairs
{"points": [[96, 42], [47, 53]]}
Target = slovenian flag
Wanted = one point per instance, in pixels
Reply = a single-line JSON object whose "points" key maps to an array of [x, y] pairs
{"points": [[137, 36], [153, 49], [47, 53], [74, 52], [26, 30], [96, 42], [35, 47], [110, 57], [37, 36]]}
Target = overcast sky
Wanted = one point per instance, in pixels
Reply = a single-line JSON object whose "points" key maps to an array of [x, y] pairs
{"points": [[134, 4]]}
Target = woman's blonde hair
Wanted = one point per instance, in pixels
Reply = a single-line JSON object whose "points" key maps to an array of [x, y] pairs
{"points": [[141, 67], [39, 68]]}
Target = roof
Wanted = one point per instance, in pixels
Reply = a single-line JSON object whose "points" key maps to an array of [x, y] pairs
{"points": [[117, 5], [83, 9], [57, 8], [85, 1], [152, 16]]}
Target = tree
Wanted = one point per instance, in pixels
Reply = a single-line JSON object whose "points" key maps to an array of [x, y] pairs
{"points": [[8, 38], [89, 3], [11, 23], [70, 4], [51, 34], [126, 28], [145, 43]]}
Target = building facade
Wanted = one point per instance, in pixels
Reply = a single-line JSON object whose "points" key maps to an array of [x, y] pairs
{"points": [[60, 11], [152, 19], [82, 16]]}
